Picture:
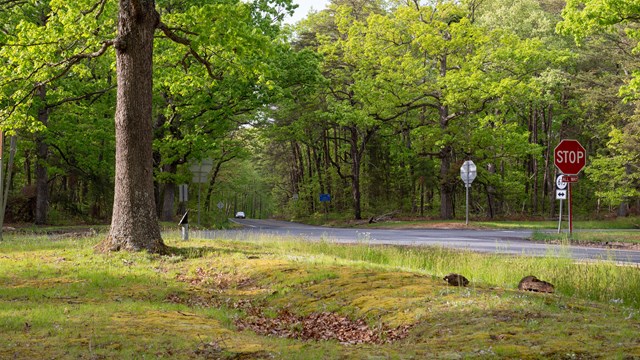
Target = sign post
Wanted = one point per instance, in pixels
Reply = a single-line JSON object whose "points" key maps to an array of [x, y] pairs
{"points": [[200, 173], [468, 173], [570, 157], [561, 194], [325, 198], [184, 224]]}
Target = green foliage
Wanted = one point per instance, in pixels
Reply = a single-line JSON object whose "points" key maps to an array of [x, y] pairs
{"points": [[615, 172], [377, 103], [619, 17], [226, 64], [59, 299]]}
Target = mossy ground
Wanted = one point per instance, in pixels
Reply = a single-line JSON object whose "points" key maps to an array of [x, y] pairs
{"points": [[59, 299]]}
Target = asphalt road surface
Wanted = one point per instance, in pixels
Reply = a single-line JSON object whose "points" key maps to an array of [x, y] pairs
{"points": [[514, 242]]}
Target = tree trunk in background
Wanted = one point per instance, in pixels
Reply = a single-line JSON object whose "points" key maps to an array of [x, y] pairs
{"points": [[491, 193], [548, 162], [169, 195], [212, 180], [42, 151], [134, 225], [446, 186], [356, 157]]}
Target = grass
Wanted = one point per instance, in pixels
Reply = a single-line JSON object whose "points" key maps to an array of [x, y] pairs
{"points": [[617, 223], [591, 237], [620, 230], [59, 299]]}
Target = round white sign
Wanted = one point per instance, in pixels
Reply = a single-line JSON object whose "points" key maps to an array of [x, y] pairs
{"points": [[560, 185], [468, 172]]}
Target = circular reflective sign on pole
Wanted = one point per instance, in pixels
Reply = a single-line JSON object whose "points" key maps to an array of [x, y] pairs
{"points": [[560, 184], [468, 172]]}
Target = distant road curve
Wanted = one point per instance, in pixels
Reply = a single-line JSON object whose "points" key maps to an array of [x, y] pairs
{"points": [[513, 242]]}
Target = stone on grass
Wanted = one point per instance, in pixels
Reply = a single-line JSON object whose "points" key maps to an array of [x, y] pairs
{"points": [[532, 283], [456, 280]]}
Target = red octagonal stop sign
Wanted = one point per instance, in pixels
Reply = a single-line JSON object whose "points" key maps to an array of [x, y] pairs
{"points": [[570, 157]]}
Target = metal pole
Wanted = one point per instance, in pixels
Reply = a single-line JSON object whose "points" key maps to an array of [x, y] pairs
{"points": [[199, 187], [560, 217], [185, 232], [570, 212], [467, 186]]}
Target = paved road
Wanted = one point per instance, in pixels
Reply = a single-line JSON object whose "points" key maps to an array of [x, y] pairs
{"points": [[493, 241]]}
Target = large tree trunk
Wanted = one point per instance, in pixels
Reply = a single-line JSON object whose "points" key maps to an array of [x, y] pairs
{"points": [[134, 225]]}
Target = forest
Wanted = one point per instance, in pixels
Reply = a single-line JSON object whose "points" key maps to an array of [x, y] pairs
{"points": [[374, 103]]}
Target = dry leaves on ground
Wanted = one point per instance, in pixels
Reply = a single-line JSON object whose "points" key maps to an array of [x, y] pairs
{"points": [[321, 326]]}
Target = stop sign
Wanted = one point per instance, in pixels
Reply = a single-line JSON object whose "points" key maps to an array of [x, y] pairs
{"points": [[570, 157]]}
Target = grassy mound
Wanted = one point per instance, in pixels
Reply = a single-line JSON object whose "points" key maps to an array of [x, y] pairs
{"points": [[287, 299]]}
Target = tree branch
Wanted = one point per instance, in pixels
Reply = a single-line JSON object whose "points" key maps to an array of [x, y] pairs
{"points": [[8, 4], [76, 59], [70, 62], [67, 160], [82, 97], [184, 41], [95, 6]]}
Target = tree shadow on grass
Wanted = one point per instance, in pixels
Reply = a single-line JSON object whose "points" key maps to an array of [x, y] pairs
{"points": [[204, 251]]}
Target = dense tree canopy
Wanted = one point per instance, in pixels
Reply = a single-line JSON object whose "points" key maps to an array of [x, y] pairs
{"points": [[376, 103]]}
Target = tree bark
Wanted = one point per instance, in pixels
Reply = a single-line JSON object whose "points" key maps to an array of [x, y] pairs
{"points": [[355, 174], [42, 151], [214, 177], [446, 187], [169, 195], [134, 225]]}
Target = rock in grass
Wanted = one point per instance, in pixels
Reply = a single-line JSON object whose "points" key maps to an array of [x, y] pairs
{"points": [[532, 283], [456, 280]]}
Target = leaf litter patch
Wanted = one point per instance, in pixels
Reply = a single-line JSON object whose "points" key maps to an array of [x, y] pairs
{"points": [[320, 327]]}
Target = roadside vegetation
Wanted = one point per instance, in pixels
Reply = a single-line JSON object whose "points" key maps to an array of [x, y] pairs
{"points": [[287, 299], [613, 238], [621, 232], [621, 223]]}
